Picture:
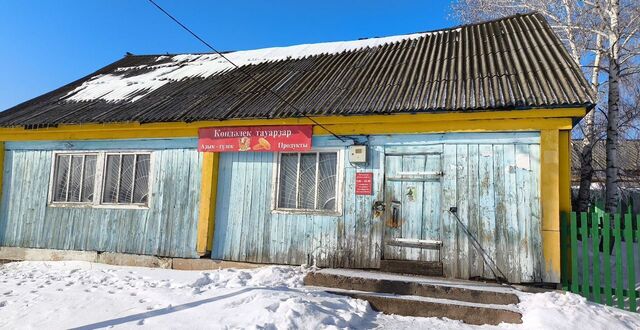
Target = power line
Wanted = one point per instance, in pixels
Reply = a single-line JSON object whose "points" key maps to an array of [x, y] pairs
{"points": [[298, 111]]}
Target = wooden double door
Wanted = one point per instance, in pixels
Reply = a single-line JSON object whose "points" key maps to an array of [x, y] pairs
{"points": [[413, 191]]}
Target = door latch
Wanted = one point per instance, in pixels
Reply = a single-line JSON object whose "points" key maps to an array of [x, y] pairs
{"points": [[378, 208], [395, 214]]}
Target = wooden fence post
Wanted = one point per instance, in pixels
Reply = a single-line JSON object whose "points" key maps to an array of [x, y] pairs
{"points": [[617, 243], [606, 249], [595, 240], [631, 272]]}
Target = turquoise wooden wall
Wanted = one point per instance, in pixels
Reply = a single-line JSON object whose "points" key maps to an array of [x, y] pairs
{"points": [[493, 179], [166, 228]]}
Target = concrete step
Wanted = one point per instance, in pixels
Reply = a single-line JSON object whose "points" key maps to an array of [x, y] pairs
{"points": [[368, 281], [470, 313], [426, 268]]}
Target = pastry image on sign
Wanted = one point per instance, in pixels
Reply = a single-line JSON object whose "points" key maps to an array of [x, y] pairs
{"points": [[263, 144], [245, 144]]}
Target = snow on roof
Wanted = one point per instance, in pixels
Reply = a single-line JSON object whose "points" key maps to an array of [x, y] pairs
{"points": [[122, 87]]}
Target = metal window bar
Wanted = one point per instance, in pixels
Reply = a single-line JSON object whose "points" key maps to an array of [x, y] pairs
{"points": [[133, 177], [81, 178], [66, 195], [298, 182], [315, 202]]}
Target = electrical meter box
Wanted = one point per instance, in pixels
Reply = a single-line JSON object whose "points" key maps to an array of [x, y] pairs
{"points": [[358, 154]]}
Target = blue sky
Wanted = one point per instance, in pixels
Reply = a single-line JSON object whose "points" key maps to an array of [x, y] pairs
{"points": [[46, 44]]}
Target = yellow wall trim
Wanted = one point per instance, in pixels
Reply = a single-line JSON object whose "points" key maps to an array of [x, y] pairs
{"points": [[206, 213], [550, 202], [1, 168], [371, 124]]}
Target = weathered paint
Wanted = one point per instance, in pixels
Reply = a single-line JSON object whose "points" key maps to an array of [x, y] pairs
{"points": [[207, 204], [166, 228], [477, 121], [493, 179], [550, 200]]}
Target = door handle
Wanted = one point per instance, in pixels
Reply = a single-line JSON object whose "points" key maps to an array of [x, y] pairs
{"points": [[395, 213]]}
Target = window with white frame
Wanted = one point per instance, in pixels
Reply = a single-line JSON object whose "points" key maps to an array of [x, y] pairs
{"points": [[308, 181], [101, 178], [74, 178]]}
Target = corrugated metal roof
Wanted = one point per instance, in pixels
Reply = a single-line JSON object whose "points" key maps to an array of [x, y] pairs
{"points": [[511, 63]]}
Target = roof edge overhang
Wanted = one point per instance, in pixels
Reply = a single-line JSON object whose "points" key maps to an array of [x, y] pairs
{"points": [[400, 123]]}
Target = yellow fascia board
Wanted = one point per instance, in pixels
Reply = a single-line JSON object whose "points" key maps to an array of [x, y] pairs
{"points": [[559, 118]]}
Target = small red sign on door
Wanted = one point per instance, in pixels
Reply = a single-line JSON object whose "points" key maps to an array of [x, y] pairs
{"points": [[255, 138], [364, 183]]}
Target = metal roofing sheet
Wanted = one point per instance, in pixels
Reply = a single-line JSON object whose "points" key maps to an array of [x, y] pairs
{"points": [[512, 63]]}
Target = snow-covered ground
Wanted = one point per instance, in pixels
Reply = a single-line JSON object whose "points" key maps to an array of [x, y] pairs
{"points": [[56, 295]]}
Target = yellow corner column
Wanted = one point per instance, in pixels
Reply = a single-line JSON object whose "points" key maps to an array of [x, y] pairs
{"points": [[1, 168], [206, 214], [564, 149], [550, 183]]}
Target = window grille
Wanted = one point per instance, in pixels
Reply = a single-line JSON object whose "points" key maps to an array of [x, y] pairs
{"points": [[74, 178], [308, 181], [126, 179], [120, 178]]}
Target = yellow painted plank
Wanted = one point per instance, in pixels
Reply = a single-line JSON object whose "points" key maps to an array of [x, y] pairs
{"points": [[212, 207], [494, 125], [550, 179], [550, 202], [1, 168], [565, 170], [551, 254], [205, 214], [118, 131]]}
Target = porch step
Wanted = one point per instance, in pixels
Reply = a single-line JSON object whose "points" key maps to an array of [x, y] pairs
{"points": [[476, 314], [470, 302], [426, 268]]}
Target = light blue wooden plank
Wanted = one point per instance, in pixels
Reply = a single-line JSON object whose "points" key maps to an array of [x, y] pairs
{"points": [[375, 238], [222, 206], [431, 214], [5, 209], [487, 232], [462, 190], [523, 181], [502, 229], [393, 193], [476, 265], [454, 138], [353, 232], [511, 213], [412, 204], [136, 144], [449, 223], [535, 226]]}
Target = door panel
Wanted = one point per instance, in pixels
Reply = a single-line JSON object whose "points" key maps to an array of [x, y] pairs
{"points": [[412, 196]]}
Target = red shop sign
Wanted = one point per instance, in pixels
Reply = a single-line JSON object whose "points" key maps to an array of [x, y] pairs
{"points": [[364, 183], [255, 138]]}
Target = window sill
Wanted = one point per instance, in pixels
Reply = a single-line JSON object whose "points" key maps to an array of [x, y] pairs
{"points": [[98, 206], [307, 212]]}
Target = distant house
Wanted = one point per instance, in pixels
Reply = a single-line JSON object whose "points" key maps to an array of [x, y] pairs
{"points": [[628, 172], [366, 156], [628, 164]]}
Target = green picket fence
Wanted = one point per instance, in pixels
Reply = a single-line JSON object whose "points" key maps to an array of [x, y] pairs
{"points": [[599, 257]]}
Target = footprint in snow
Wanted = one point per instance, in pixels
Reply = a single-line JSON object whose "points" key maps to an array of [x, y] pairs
{"points": [[3, 303]]}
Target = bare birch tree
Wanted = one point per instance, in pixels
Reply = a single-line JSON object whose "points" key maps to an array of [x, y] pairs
{"points": [[595, 33]]}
